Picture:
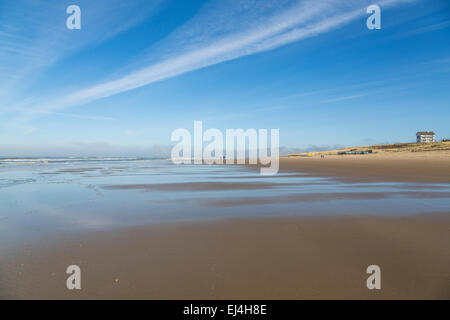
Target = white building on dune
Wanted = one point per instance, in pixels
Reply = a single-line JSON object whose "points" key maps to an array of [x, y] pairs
{"points": [[425, 136]]}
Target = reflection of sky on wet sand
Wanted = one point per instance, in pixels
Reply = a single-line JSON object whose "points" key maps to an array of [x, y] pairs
{"points": [[39, 198]]}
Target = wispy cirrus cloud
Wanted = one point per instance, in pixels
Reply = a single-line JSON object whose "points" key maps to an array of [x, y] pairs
{"points": [[33, 34], [218, 34], [344, 98], [429, 28], [77, 116]]}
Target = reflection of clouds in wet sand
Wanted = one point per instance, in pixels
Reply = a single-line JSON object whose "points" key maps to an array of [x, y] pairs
{"points": [[194, 186], [100, 204], [314, 197], [79, 170]]}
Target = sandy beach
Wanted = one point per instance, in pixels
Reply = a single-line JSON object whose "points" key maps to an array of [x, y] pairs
{"points": [[428, 167], [323, 257], [289, 258]]}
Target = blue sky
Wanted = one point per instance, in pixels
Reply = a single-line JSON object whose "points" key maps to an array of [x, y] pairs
{"points": [[139, 69]]}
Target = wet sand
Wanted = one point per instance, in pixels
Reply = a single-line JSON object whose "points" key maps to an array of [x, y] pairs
{"points": [[314, 197], [193, 186], [257, 258], [268, 258]]}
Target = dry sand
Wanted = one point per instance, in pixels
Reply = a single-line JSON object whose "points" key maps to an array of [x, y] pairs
{"points": [[433, 167]]}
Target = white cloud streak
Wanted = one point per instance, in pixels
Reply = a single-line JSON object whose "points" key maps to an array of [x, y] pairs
{"points": [[211, 45], [33, 34], [77, 116]]}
